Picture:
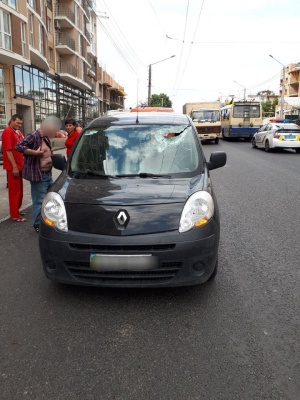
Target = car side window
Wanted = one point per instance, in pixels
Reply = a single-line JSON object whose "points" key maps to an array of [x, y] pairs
{"points": [[262, 129]]}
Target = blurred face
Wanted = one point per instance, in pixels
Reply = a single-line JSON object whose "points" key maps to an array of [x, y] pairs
{"points": [[50, 126], [70, 128], [16, 124]]}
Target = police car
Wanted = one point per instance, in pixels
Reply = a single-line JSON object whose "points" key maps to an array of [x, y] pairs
{"points": [[277, 134]]}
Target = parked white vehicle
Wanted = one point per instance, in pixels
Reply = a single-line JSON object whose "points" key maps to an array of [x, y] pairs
{"points": [[277, 135]]}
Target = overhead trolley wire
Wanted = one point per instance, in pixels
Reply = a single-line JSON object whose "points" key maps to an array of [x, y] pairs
{"points": [[121, 34], [190, 49], [182, 46], [116, 44]]}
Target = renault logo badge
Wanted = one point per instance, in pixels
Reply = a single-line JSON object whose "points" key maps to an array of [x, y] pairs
{"points": [[122, 218]]}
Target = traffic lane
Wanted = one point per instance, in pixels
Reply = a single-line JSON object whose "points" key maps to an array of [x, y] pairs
{"points": [[257, 196], [66, 341]]}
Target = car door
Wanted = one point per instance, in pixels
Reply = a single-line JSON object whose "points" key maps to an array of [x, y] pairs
{"points": [[259, 136]]}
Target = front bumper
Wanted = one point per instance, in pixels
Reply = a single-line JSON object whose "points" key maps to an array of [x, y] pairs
{"points": [[183, 259]]}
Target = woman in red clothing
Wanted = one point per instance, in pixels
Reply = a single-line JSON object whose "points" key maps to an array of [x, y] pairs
{"points": [[70, 127]]}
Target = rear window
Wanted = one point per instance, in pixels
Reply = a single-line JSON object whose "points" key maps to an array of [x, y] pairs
{"points": [[151, 149], [288, 126]]}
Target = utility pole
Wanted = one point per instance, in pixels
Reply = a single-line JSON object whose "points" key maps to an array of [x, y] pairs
{"points": [[281, 115], [150, 77]]}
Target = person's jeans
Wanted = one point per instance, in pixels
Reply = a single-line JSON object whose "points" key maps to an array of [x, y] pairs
{"points": [[38, 192]]}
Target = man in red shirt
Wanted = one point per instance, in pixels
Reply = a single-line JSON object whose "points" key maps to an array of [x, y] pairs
{"points": [[13, 163]]}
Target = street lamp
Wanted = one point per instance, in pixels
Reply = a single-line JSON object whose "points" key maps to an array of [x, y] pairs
{"points": [[283, 87], [149, 78], [242, 87]]}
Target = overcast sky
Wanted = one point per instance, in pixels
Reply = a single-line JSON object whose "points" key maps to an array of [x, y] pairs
{"points": [[215, 43]]}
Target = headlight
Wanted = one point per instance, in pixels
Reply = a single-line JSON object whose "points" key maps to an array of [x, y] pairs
{"points": [[53, 212], [198, 210]]}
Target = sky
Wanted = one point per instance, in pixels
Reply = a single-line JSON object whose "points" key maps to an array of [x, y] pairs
{"points": [[221, 47]]}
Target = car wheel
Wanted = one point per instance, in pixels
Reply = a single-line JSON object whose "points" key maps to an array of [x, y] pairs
{"points": [[267, 146], [216, 140], [297, 151], [215, 271], [253, 143]]}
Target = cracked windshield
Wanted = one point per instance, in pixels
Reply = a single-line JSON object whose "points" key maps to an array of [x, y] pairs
{"points": [[134, 150]]}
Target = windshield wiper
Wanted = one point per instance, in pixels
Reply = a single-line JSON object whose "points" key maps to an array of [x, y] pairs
{"points": [[144, 175], [96, 173]]}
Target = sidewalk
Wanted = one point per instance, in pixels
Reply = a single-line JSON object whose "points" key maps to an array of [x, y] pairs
{"points": [[58, 147]]}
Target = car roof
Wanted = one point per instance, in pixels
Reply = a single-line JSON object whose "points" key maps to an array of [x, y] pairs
{"points": [[284, 124], [148, 118], [152, 109]]}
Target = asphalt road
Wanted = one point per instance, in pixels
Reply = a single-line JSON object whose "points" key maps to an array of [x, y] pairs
{"points": [[236, 338]]}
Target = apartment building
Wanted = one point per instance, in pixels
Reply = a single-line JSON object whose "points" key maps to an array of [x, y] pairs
{"points": [[290, 86], [48, 62], [14, 50]]}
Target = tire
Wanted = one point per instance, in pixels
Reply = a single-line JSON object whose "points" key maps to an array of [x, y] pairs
{"points": [[216, 140], [253, 143], [267, 146], [297, 151], [214, 273]]}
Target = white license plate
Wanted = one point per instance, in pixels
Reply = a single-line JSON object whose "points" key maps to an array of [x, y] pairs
{"points": [[104, 262]]}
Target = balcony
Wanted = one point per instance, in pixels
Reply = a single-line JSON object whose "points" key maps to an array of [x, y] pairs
{"points": [[91, 83], [87, 35], [64, 43], [38, 59], [65, 15], [69, 73], [87, 10]]}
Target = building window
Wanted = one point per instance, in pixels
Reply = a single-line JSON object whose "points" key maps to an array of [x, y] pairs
{"points": [[82, 70], [2, 102], [80, 45], [5, 30], [41, 41], [32, 4], [23, 38], [77, 15], [31, 35], [50, 54], [42, 9], [48, 24], [10, 3], [83, 27]]}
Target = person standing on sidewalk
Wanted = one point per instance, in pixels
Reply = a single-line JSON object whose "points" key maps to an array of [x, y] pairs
{"points": [[38, 164], [13, 164], [70, 127]]}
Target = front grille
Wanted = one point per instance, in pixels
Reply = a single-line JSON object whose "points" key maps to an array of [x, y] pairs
{"points": [[208, 129], [82, 272], [122, 248]]}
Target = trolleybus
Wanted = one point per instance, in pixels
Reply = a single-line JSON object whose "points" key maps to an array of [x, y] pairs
{"points": [[241, 119]]}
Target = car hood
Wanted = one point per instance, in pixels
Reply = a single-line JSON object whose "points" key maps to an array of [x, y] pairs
{"points": [[151, 205]]}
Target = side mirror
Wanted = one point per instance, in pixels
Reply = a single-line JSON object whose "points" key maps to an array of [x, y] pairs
{"points": [[59, 161], [217, 160]]}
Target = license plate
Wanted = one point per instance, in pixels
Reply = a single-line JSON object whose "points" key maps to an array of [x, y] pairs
{"points": [[290, 137], [104, 262]]}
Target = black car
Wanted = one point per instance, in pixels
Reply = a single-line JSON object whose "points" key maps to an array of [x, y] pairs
{"points": [[134, 206]]}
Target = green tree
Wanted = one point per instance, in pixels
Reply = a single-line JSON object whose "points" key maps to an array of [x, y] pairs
{"points": [[268, 107], [160, 100]]}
